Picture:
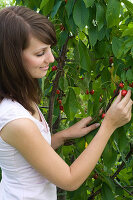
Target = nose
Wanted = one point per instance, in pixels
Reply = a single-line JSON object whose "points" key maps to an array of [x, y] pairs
{"points": [[50, 57]]}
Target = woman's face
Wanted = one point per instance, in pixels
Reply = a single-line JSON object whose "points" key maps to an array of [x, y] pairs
{"points": [[37, 57]]}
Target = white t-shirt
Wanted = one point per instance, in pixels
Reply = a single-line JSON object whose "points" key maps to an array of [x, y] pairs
{"points": [[20, 181]]}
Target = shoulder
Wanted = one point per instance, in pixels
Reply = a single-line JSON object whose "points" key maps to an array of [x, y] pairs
{"points": [[17, 130], [11, 111], [8, 104]]}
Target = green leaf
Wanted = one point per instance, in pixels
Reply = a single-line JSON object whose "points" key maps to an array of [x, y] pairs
{"points": [[132, 52], [107, 193], [80, 14], [63, 83], [109, 182], [90, 108], [105, 77], [102, 33], [100, 16], [123, 76], [43, 3], [48, 7], [122, 140], [84, 56], [128, 30], [69, 7], [71, 105], [112, 14], [117, 47], [93, 35], [62, 38], [109, 156], [56, 8], [128, 5], [71, 24], [89, 3], [129, 75]]}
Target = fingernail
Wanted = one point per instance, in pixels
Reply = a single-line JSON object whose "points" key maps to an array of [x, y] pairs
{"points": [[97, 124]]}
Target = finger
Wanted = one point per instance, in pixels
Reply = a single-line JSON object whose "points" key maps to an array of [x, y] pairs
{"points": [[129, 115], [129, 105], [101, 111], [86, 120], [126, 99], [92, 127], [118, 98]]}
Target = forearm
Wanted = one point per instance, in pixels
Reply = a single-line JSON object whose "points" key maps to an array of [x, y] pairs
{"points": [[58, 139], [85, 163]]}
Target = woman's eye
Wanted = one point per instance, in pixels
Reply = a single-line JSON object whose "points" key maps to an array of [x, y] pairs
{"points": [[41, 54]]}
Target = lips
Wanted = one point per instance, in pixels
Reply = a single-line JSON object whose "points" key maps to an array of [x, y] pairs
{"points": [[44, 68]]}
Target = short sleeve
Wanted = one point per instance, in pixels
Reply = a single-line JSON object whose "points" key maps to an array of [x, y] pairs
{"points": [[11, 110]]}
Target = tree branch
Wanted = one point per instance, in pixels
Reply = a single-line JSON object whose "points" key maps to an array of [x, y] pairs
{"points": [[123, 163], [115, 174], [61, 63]]}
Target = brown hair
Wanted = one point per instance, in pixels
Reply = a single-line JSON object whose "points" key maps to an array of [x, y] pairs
{"points": [[17, 23]]}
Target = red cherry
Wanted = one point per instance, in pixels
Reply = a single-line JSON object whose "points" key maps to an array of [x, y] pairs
{"points": [[57, 91], [95, 176], [121, 85], [59, 101], [131, 85], [111, 60], [103, 115], [65, 1], [124, 92], [61, 108], [87, 91], [54, 68], [92, 92], [82, 78], [62, 28]]}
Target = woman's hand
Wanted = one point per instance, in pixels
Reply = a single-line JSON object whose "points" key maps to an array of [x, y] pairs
{"points": [[119, 113], [80, 128]]}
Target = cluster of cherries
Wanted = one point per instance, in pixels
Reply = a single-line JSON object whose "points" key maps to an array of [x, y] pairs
{"points": [[59, 101], [123, 93], [91, 92], [121, 85]]}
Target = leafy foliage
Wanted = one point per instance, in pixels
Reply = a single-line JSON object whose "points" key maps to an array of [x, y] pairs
{"points": [[94, 51]]}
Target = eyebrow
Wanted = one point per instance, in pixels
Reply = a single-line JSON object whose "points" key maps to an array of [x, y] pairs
{"points": [[41, 49]]}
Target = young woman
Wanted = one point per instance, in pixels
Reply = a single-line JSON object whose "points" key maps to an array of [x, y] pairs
{"points": [[31, 169]]}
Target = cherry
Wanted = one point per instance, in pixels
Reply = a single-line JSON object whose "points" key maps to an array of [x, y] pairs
{"points": [[82, 78], [131, 85], [57, 91], [59, 101], [121, 85], [61, 108], [87, 91], [65, 1], [54, 68], [111, 60], [103, 115], [92, 92], [124, 92], [62, 28], [95, 176]]}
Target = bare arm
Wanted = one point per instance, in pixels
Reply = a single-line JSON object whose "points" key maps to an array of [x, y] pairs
{"points": [[30, 143], [78, 130]]}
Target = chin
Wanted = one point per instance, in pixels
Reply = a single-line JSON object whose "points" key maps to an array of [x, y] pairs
{"points": [[40, 75]]}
